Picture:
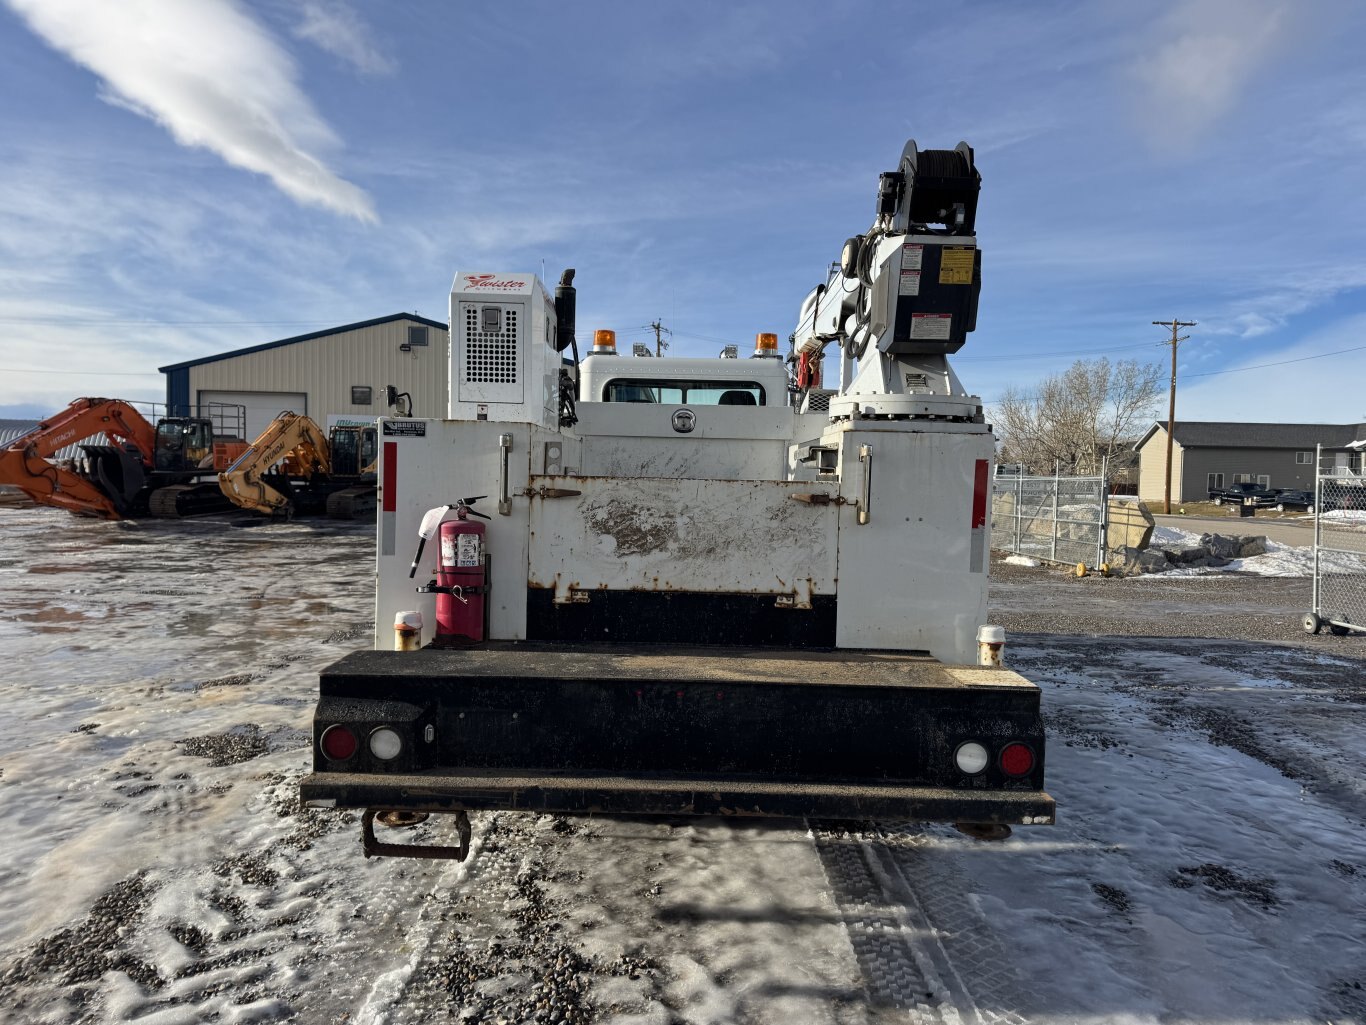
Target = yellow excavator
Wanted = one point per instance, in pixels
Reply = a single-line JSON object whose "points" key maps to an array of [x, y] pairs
{"points": [[296, 469]]}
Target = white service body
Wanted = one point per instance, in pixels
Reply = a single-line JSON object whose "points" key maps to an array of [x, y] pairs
{"points": [[699, 484], [710, 510]]}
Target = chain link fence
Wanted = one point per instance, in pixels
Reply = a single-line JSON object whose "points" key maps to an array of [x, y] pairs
{"points": [[1058, 519], [1339, 547]]}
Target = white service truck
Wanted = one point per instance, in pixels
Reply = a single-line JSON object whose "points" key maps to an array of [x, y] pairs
{"points": [[704, 586]]}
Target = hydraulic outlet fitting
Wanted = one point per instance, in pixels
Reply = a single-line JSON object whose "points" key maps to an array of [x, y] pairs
{"points": [[407, 631], [991, 642]]}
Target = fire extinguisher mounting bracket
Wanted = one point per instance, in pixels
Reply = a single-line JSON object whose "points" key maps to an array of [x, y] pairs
{"points": [[432, 587], [463, 508]]}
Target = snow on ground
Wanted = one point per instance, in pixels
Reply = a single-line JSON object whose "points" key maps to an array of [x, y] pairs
{"points": [[1174, 537], [1201, 805], [1207, 864], [1022, 560], [1280, 560]]}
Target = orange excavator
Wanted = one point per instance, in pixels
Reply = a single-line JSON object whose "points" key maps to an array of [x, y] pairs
{"points": [[141, 469]]}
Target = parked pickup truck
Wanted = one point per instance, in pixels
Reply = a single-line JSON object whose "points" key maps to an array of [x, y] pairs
{"points": [[1242, 493], [1294, 498]]}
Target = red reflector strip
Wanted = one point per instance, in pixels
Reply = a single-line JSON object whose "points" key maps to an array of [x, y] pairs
{"points": [[390, 476], [979, 496]]}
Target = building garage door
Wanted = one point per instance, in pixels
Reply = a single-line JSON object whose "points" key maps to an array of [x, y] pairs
{"points": [[262, 406]]}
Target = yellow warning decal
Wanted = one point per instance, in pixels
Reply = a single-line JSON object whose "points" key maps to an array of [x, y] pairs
{"points": [[955, 265]]}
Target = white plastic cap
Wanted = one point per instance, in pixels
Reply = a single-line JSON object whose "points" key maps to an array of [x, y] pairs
{"points": [[988, 634], [408, 620]]}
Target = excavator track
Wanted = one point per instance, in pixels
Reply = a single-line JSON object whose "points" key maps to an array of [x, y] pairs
{"points": [[163, 503], [181, 500], [352, 504]]}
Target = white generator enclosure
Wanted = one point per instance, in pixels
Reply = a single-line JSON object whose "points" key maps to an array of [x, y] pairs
{"points": [[503, 366]]}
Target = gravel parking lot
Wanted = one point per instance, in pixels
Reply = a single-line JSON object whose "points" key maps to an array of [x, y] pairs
{"points": [[1206, 864], [1234, 606]]}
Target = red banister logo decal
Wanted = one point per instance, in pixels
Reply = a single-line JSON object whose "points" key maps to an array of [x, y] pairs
{"points": [[491, 281]]}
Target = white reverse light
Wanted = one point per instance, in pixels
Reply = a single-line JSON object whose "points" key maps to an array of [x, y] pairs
{"points": [[971, 757], [386, 743]]}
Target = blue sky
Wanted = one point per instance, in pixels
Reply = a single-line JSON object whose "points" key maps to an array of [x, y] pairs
{"points": [[179, 179]]}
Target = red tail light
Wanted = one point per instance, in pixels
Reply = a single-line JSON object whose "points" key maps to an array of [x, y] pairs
{"points": [[1017, 760], [338, 743]]}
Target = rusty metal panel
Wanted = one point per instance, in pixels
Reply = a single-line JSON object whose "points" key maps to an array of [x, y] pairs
{"points": [[658, 534]]}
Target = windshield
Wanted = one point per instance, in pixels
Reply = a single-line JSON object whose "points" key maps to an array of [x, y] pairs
{"points": [[685, 393]]}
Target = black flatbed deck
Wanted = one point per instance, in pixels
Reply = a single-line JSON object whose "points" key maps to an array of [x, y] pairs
{"points": [[679, 730], [532, 659]]}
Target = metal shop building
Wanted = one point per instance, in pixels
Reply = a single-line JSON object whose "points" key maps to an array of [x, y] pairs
{"points": [[338, 375]]}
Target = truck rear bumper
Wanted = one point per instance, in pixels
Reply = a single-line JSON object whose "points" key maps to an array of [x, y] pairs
{"points": [[591, 793], [679, 731]]}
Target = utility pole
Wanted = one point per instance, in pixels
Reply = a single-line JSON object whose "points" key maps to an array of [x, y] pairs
{"points": [[660, 330], [1171, 408]]}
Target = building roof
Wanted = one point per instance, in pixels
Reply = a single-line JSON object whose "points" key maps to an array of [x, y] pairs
{"points": [[302, 338], [1219, 434], [11, 429]]}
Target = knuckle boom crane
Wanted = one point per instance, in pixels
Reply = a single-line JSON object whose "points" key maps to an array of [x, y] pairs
{"points": [[696, 589]]}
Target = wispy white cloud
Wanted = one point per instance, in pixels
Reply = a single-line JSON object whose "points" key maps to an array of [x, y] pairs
{"points": [[211, 76], [1201, 59], [1312, 390], [1274, 299], [336, 28]]}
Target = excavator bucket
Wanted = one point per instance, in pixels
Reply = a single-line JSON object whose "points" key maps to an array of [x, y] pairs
{"points": [[118, 472]]}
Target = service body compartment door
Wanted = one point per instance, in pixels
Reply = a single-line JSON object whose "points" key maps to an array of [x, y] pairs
{"points": [[913, 577], [661, 534]]}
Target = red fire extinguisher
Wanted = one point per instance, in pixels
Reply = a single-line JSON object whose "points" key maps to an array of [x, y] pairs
{"points": [[460, 579]]}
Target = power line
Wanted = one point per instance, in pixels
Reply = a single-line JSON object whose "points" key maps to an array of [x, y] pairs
{"points": [[82, 373], [1059, 352], [956, 359], [700, 338], [59, 322], [1280, 363]]}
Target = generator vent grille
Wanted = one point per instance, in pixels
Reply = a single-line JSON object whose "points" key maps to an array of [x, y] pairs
{"points": [[818, 400], [491, 356]]}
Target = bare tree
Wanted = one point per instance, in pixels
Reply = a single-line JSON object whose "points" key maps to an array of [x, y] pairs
{"points": [[1076, 419]]}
